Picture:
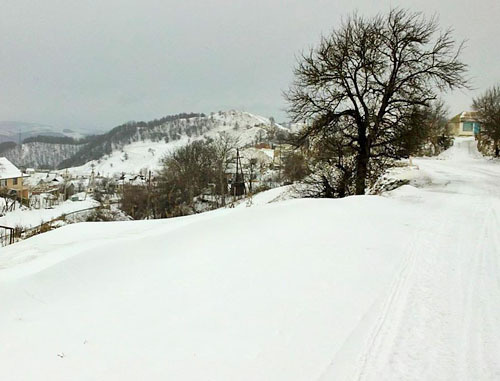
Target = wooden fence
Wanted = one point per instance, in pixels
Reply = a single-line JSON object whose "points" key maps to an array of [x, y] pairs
{"points": [[6, 235]]}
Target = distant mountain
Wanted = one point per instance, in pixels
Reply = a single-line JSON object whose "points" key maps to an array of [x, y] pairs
{"points": [[13, 131], [38, 145]]}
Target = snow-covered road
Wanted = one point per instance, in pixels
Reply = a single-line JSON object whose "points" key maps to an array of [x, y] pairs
{"points": [[440, 318], [400, 287]]}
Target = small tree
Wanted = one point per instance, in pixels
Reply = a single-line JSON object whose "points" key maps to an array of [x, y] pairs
{"points": [[225, 151], [134, 201], [425, 131], [184, 175], [440, 134], [332, 167], [368, 79], [488, 110], [294, 167]]}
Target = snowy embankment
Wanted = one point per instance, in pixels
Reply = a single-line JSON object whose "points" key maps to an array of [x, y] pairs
{"points": [[282, 193], [398, 287]]}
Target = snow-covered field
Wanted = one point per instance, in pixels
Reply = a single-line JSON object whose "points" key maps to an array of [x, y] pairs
{"points": [[400, 287]]}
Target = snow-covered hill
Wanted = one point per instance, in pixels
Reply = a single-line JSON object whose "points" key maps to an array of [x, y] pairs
{"points": [[145, 147], [139, 145], [401, 287]]}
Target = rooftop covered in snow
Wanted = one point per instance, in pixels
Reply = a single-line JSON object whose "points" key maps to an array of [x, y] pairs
{"points": [[8, 170]]}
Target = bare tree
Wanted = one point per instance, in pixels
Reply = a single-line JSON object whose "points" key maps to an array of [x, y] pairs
{"points": [[424, 131], [225, 151], [294, 166], [368, 78], [488, 110], [439, 134], [184, 175], [134, 201]]}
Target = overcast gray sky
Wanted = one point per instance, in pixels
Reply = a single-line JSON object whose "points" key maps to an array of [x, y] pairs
{"points": [[97, 63]]}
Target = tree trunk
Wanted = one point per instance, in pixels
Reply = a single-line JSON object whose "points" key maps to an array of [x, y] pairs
{"points": [[221, 186], [362, 163], [497, 149], [361, 173], [327, 188]]}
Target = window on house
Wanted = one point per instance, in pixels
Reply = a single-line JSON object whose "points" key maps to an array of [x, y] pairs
{"points": [[15, 181], [467, 126]]}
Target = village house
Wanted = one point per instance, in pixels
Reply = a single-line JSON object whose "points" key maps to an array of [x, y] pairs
{"points": [[464, 124], [11, 179]]}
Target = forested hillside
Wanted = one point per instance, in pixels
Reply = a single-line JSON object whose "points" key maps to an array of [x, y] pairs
{"points": [[42, 151], [167, 128]]}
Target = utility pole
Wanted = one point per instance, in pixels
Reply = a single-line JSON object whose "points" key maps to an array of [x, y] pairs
{"points": [[238, 185], [235, 181], [149, 194], [281, 160]]}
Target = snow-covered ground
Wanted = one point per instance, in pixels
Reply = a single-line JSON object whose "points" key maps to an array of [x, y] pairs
{"points": [[33, 217], [272, 195], [400, 287]]}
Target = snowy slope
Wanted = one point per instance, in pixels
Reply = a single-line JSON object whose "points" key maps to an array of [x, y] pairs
{"points": [[132, 158], [285, 192], [146, 154], [404, 286], [146, 301]]}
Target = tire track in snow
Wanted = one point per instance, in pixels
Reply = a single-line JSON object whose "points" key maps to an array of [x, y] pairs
{"points": [[441, 314], [468, 342], [480, 357], [396, 293], [409, 292]]}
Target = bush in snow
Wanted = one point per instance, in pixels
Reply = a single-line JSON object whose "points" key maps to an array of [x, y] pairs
{"points": [[487, 107], [294, 167]]}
